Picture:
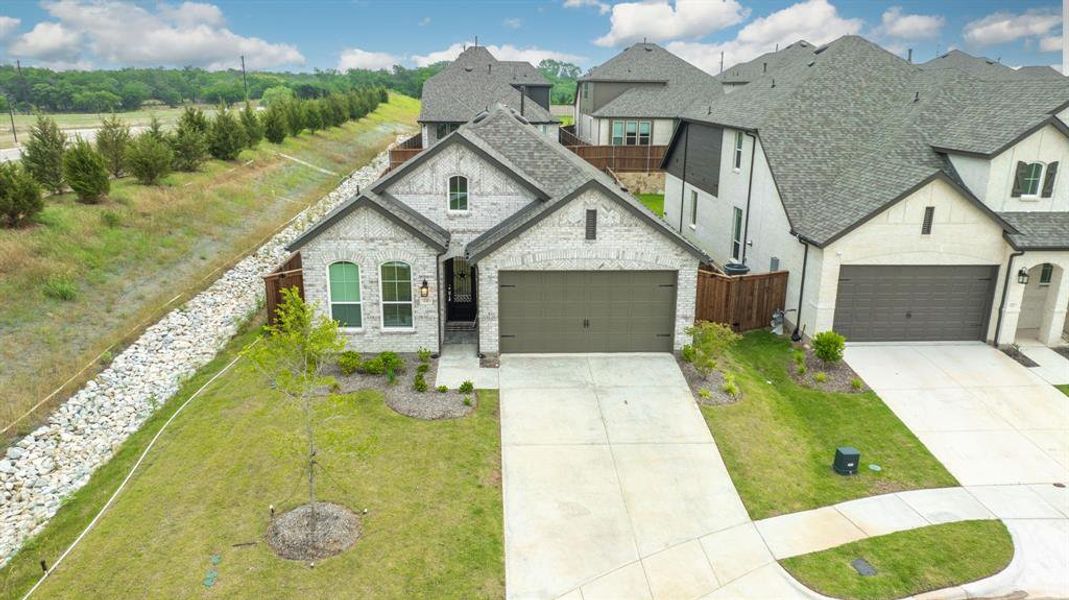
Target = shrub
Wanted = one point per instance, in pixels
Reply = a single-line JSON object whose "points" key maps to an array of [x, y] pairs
{"points": [[424, 355], [820, 376], [193, 119], [226, 137], [857, 384], [705, 393], [43, 154], [254, 129], [419, 383], [275, 125], [312, 116], [372, 366], [423, 368], [20, 196], [190, 148], [467, 400], [443, 389], [294, 112], [799, 357], [391, 376], [390, 360], [110, 219], [711, 341], [111, 140], [829, 346], [687, 353], [155, 129], [466, 388], [85, 172], [60, 287], [801, 369], [349, 362], [149, 159], [730, 386]]}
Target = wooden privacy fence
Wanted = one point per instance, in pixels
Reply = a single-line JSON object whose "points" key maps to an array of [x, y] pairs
{"points": [[290, 274], [622, 159], [405, 150], [743, 301]]}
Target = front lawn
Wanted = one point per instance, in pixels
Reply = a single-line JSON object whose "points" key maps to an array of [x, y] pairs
{"points": [[779, 439], [908, 562], [431, 488], [1064, 389], [654, 202]]}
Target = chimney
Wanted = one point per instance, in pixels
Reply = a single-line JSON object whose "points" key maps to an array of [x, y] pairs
{"points": [[909, 56]]}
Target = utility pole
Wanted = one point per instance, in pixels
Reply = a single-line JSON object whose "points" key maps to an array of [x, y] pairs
{"points": [[244, 80], [11, 113]]}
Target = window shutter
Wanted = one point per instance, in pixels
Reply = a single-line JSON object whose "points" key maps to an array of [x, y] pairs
{"points": [[591, 224], [1018, 179], [929, 213], [1048, 182]]}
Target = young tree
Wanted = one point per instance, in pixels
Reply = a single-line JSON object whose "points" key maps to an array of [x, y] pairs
{"points": [[226, 137], [276, 95], [313, 118], [294, 117], [149, 159], [43, 154], [112, 139], [193, 118], [85, 171], [275, 125], [292, 356], [20, 196], [254, 129], [155, 129], [190, 147]]}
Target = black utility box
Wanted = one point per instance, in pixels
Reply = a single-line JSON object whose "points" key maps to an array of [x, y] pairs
{"points": [[846, 460]]}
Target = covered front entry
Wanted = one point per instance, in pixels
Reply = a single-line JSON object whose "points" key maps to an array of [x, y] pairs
{"points": [[460, 291], [914, 303], [586, 311]]}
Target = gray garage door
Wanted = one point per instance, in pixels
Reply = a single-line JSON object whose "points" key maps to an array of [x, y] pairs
{"points": [[586, 311], [911, 303]]}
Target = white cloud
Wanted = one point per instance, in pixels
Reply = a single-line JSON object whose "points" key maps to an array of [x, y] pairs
{"points": [[659, 21], [1002, 27], [816, 21], [425, 21], [1051, 44], [531, 54], [896, 24], [513, 23], [603, 7], [355, 58], [123, 33], [8, 25]]}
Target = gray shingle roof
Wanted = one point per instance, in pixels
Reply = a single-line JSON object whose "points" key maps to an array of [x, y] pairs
{"points": [[856, 127], [770, 62], [1039, 230], [475, 82]]}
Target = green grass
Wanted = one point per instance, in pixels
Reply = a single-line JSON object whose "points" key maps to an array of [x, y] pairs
{"points": [[654, 202], [125, 258], [908, 562], [432, 490], [1064, 389], [779, 440]]}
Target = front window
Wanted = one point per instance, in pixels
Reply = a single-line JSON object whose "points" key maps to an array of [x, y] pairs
{"points": [[1030, 179], [693, 208], [631, 133], [738, 149], [396, 295], [1045, 274], [736, 235], [458, 193], [345, 294]]}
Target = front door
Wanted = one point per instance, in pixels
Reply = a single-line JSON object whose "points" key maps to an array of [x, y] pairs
{"points": [[460, 290]]}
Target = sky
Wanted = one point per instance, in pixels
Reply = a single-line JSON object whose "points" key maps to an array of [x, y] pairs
{"points": [[289, 35]]}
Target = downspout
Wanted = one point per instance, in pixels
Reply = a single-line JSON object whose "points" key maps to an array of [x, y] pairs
{"points": [[1005, 289], [749, 194], [796, 335], [438, 294], [683, 184]]}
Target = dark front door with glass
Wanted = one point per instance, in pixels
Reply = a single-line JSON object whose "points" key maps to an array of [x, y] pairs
{"points": [[460, 290]]}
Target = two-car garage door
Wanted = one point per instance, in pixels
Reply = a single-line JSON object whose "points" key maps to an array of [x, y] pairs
{"points": [[586, 311], [914, 303]]}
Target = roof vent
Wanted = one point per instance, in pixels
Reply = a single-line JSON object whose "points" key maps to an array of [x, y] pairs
{"points": [[773, 82], [709, 110], [479, 117], [468, 69], [648, 48], [916, 96], [811, 63], [821, 49]]}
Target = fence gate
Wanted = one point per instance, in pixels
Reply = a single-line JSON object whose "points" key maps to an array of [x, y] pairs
{"points": [[743, 301], [290, 274]]}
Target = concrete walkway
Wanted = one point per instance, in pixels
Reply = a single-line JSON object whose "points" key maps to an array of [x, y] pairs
{"points": [[1053, 367], [459, 363]]}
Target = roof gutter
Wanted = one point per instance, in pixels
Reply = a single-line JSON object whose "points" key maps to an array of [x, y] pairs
{"points": [[1005, 290]]}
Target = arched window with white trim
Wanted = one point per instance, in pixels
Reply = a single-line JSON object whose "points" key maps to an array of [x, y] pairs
{"points": [[344, 294], [396, 284], [458, 193]]}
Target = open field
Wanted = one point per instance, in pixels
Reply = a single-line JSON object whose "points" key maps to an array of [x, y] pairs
{"points": [[431, 488], [82, 279], [71, 122]]}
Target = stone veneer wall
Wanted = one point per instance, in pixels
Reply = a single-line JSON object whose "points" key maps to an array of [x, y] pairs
{"points": [[557, 243]]}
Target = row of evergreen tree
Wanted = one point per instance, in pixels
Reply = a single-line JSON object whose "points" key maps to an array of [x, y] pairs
{"points": [[50, 163]]}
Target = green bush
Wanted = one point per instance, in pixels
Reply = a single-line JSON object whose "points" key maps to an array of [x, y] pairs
{"points": [[820, 377], [60, 287], [20, 196], [110, 219], [801, 369], [443, 389], [190, 148], [857, 384], [312, 116], [372, 366], [424, 355], [149, 159], [799, 357], [85, 171], [390, 360], [705, 393], [391, 376], [254, 129], [466, 388], [226, 136], [294, 112], [43, 154], [274, 121], [829, 346], [423, 368], [730, 386], [687, 353], [710, 341], [467, 400], [419, 383], [111, 140], [349, 362]]}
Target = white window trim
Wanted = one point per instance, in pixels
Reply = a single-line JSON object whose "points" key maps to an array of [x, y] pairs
{"points": [[694, 209], [740, 143], [448, 198], [382, 303], [1039, 182], [360, 285]]}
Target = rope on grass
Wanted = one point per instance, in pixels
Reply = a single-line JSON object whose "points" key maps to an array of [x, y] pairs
{"points": [[130, 475]]}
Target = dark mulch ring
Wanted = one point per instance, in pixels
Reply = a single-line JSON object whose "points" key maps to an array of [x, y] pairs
{"points": [[714, 383], [313, 531], [1015, 353], [839, 377], [430, 405]]}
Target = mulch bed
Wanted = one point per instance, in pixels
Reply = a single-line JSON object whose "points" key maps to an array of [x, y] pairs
{"points": [[313, 531], [839, 375], [1016, 354], [490, 361], [713, 383], [400, 396]]}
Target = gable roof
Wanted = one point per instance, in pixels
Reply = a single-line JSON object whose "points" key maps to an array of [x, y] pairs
{"points": [[872, 127], [386, 205], [1038, 230], [475, 82], [986, 68], [769, 62]]}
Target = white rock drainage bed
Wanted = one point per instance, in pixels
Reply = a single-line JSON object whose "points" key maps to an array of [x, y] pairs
{"points": [[57, 459]]}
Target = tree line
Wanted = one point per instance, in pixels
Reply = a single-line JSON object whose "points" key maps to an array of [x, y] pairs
{"points": [[50, 163]]}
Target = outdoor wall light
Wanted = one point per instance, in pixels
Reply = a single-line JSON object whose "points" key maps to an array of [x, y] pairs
{"points": [[424, 289], [1022, 276]]}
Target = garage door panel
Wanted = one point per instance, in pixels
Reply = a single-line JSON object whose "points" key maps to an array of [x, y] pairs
{"points": [[914, 303]]}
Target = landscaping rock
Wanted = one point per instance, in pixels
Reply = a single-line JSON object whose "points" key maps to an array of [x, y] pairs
{"points": [[58, 458]]}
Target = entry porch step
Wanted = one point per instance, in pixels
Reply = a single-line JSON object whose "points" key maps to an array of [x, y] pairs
{"points": [[460, 325]]}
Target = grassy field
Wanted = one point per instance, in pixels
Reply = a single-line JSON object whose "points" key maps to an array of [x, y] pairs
{"points": [[85, 276], [71, 121], [779, 440], [908, 562], [654, 202], [1064, 389], [432, 490]]}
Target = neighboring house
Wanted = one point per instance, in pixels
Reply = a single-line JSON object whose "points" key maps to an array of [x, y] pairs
{"points": [[765, 65], [636, 98], [476, 82], [907, 203], [988, 69], [500, 229]]}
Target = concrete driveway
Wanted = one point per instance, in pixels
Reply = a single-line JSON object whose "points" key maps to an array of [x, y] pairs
{"points": [[990, 420], [606, 461]]}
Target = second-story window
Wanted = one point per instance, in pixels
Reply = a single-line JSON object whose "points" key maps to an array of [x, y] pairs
{"points": [[738, 149], [1034, 180], [458, 193]]}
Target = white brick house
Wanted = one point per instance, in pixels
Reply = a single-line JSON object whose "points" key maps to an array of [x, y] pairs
{"points": [[907, 202], [500, 230]]}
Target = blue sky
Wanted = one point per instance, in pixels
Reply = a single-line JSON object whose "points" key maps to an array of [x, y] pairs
{"points": [[302, 35]]}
